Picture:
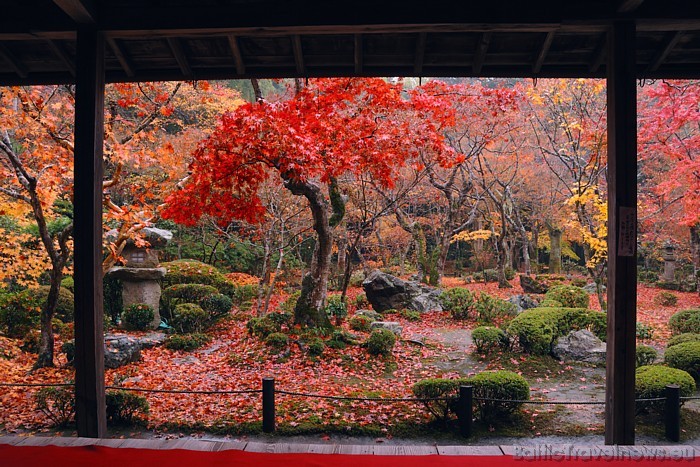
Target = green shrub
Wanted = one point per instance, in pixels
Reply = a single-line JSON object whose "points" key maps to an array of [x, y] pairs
{"points": [[189, 271], [68, 283], [459, 302], [290, 302], [19, 313], [684, 356], [68, 348], [503, 385], [336, 307], [381, 342], [644, 331], [489, 339], [124, 406], [579, 282], [360, 323], [280, 319], [548, 303], [685, 321], [243, 295], [138, 317], [357, 278], [186, 342], [188, 318], [262, 327], [217, 305], [509, 273], [411, 315], [487, 275], [188, 293], [569, 296], [489, 309], [438, 388], [57, 403], [668, 285], [361, 301], [685, 337], [65, 305], [277, 341], [646, 355], [664, 298], [650, 382], [336, 344], [112, 298], [648, 277], [316, 346]]}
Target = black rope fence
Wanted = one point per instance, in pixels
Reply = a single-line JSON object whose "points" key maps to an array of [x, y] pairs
{"points": [[464, 402]]}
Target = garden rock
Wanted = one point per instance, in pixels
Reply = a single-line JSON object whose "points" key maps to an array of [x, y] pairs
{"points": [[151, 340], [386, 292], [580, 346], [590, 288], [392, 326], [532, 285], [121, 349], [522, 302], [371, 314]]}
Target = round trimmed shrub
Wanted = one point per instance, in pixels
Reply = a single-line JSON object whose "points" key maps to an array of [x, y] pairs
{"points": [[438, 388], [65, 305], [360, 323], [68, 283], [19, 313], [569, 296], [685, 321], [503, 385], [57, 403], [188, 318], [490, 309], [262, 327], [190, 271], [684, 356], [685, 337], [186, 342], [381, 342], [489, 339], [459, 302], [277, 341], [646, 355], [124, 406], [217, 305], [650, 382], [189, 293], [549, 303], [138, 317], [316, 346], [665, 298]]}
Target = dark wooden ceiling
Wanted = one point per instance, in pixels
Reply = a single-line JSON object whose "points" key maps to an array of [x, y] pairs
{"points": [[221, 39]]}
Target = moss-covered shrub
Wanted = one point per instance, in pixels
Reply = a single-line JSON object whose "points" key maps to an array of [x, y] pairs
{"points": [[579, 282], [499, 385], [381, 342], [438, 388], [188, 293], [262, 327], [277, 341], [459, 302], [646, 355], [651, 381], [490, 309], [243, 295], [68, 348], [361, 301], [189, 271], [186, 342], [65, 305], [648, 277], [685, 337], [360, 323], [19, 313], [549, 303], [665, 298], [281, 319], [410, 315], [685, 321], [217, 305], [124, 406], [188, 318], [569, 296], [489, 339], [138, 317], [316, 346], [684, 356], [536, 329], [290, 302], [57, 403], [68, 283]]}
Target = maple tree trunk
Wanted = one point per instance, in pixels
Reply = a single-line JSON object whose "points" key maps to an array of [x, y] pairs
{"points": [[555, 235]]}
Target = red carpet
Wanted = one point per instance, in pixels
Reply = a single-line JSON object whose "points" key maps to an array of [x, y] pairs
{"points": [[100, 456]]}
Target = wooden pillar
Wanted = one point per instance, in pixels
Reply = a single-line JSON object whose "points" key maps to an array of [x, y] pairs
{"points": [[622, 234], [90, 412]]}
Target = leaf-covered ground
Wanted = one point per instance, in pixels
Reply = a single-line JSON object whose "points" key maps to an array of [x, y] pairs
{"points": [[236, 361]]}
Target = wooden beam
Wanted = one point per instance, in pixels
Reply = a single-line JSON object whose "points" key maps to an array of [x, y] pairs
{"points": [[80, 11], [622, 235], [599, 53], [539, 61], [480, 54], [236, 51], [298, 54], [90, 412], [61, 53], [359, 49], [669, 42], [179, 54], [628, 6], [15, 64], [121, 56], [420, 53]]}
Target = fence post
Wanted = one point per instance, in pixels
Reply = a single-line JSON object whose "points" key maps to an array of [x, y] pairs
{"points": [[672, 412], [465, 410], [268, 405]]}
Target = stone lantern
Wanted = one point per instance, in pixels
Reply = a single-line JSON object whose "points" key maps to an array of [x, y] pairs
{"points": [[669, 256], [141, 273]]}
